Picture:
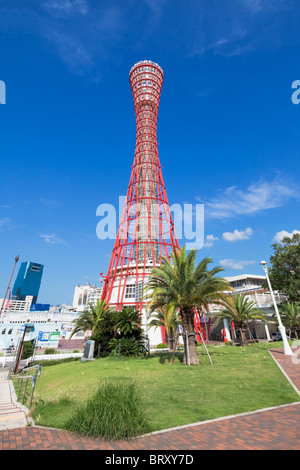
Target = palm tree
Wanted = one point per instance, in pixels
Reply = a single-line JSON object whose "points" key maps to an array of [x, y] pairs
{"points": [[239, 309], [168, 318], [290, 316], [90, 319], [184, 286], [129, 337], [128, 322]]}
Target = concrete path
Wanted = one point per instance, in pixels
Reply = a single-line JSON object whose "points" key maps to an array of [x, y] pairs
{"points": [[12, 413]]}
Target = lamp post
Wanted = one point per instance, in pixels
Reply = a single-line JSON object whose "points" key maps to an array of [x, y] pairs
{"points": [[286, 347]]}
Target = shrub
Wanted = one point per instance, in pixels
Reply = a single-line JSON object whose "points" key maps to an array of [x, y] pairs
{"points": [[162, 346], [27, 350], [115, 411], [50, 351], [128, 347], [54, 362]]}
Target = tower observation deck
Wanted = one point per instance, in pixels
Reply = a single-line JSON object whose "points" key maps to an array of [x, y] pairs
{"points": [[146, 232]]}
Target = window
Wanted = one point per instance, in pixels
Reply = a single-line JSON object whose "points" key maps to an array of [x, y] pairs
{"points": [[35, 268], [130, 291]]}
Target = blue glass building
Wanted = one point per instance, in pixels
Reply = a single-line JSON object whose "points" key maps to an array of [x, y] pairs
{"points": [[28, 281]]}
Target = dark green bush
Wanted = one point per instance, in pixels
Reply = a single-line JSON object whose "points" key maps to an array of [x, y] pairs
{"points": [[128, 347], [54, 362], [27, 350], [50, 351]]}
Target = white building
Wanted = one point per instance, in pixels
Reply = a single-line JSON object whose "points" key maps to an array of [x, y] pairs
{"points": [[47, 327], [85, 295], [246, 282], [252, 286]]}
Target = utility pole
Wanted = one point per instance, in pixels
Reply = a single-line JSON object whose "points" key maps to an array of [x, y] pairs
{"points": [[16, 260]]}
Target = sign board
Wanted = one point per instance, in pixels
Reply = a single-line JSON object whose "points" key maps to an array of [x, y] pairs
{"points": [[54, 336], [27, 329], [44, 336], [88, 353], [40, 307]]}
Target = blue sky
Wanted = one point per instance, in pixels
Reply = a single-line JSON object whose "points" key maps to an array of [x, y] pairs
{"points": [[228, 131]]}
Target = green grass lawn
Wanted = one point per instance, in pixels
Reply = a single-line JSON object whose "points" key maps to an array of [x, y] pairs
{"points": [[241, 380]]}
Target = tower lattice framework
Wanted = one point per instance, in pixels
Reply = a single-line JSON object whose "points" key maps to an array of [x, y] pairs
{"points": [[146, 231]]}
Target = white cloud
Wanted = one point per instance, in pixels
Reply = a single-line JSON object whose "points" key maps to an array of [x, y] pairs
{"points": [[236, 265], [4, 223], [242, 32], [257, 197], [51, 203], [281, 235], [209, 241], [59, 8], [53, 239], [238, 235]]}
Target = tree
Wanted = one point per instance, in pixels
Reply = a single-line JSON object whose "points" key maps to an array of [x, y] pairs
{"points": [[290, 317], [129, 338], [104, 332], [89, 319], [285, 267], [128, 322], [168, 318], [111, 329], [184, 286], [239, 309]]}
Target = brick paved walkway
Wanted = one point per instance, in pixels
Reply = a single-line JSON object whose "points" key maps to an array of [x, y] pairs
{"points": [[291, 367], [276, 428]]}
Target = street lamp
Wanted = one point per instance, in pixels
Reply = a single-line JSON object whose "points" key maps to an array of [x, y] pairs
{"points": [[286, 347]]}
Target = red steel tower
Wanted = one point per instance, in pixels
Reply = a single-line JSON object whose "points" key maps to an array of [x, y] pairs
{"points": [[146, 232]]}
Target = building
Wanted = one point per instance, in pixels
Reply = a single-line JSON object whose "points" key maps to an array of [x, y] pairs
{"points": [[46, 327], [253, 287], [85, 295], [28, 281], [246, 282], [146, 231]]}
